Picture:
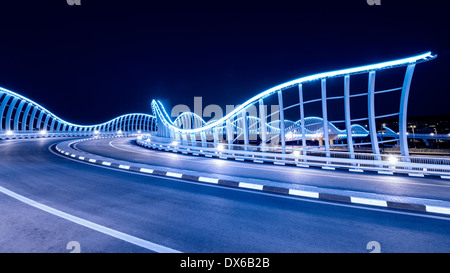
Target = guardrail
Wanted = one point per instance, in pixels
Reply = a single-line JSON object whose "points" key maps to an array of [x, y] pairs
{"points": [[356, 162]]}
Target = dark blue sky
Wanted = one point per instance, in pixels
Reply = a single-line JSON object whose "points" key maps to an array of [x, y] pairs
{"points": [[90, 63]]}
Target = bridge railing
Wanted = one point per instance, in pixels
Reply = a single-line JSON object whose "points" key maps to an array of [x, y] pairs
{"points": [[296, 104], [383, 163]]}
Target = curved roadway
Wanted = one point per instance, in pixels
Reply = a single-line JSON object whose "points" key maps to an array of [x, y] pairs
{"points": [[126, 149], [188, 216]]}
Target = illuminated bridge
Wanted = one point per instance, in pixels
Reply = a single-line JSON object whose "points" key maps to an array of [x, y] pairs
{"points": [[288, 157], [294, 136]]}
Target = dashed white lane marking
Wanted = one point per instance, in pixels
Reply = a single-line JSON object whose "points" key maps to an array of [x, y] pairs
{"points": [[250, 186], [315, 195], [304, 193], [144, 170], [357, 200], [372, 202], [208, 180], [438, 209], [105, 230], [177, 175]]}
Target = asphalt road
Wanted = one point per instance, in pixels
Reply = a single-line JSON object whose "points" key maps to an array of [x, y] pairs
{"points": [[182, 215], [126, 149]]}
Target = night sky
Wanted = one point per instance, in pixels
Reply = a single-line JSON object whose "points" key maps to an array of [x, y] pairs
{"points": [[90, 63]]}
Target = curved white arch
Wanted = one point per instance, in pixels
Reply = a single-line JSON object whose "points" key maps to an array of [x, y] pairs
{"points": [[27, 111], [160, 112]]}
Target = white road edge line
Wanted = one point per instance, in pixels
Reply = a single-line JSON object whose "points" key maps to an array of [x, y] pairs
{"points": [[105, 230]]}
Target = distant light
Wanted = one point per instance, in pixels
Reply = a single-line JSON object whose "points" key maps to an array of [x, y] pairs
{"points": [[139, 131], [9, 132], [96, 132], [139, 137], [43, 132], [174, 143], [392, 159], [220, 147], [119, 132], [296, 153], [431, 134]]}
